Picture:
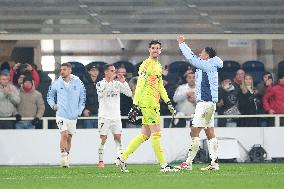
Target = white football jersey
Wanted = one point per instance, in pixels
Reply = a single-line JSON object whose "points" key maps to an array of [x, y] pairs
{"points": [[109, 98]]}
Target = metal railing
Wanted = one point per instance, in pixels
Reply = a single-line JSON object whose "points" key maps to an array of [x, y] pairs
{"points": [[275, 116]]}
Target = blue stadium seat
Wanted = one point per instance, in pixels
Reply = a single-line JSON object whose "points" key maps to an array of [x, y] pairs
{"points": [[98, 64], [78, 69], [230, 68], [179, 67], [254, 68], [137, 68], [130, 69], [281, 67]]}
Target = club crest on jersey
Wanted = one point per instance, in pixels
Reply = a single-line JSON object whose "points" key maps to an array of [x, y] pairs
{"points": [[143, 75]]}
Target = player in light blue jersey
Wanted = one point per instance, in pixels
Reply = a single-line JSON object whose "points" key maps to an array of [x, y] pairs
{"points": [[206, 96], [70, 95]]}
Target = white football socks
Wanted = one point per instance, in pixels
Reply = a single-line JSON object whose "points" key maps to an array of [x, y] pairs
{"points": [[101, 150], [119, 148], [213, 150], [194, 147]]}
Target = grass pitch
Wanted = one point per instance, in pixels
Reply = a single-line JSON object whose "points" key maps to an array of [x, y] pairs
{"points": [[231, 176]]}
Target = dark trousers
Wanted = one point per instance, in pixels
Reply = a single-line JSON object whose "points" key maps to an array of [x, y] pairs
{"points": [[7, 124]]}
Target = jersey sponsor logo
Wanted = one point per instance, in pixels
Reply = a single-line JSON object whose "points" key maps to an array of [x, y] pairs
{"points": [[112, 94]]}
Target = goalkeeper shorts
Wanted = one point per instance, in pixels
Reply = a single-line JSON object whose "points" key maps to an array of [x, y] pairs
{"points": [[150, 115]]}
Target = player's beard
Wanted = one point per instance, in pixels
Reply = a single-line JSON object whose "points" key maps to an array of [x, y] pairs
{"points": [[155, 55], [63, 75]]}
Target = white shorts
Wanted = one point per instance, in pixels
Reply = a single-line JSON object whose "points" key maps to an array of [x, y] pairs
{"points": [[64, 124], [114, 125], [204, 114]]}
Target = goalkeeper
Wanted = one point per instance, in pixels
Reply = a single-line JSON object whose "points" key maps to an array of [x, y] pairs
{"points": [[148, 91]]}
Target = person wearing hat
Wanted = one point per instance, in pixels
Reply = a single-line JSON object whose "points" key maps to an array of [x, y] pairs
{"points": [[228, 101], [31, 105], [273, 99], [92, 105]]}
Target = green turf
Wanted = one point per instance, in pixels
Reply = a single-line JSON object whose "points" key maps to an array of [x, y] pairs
{"points": [[142, 176]]}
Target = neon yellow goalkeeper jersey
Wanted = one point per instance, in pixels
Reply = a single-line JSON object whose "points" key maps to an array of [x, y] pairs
{"points": [[150, 86]]}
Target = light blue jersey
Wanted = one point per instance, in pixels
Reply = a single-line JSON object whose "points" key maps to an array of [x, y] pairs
{"points": [[206, 76], [70, 97]]}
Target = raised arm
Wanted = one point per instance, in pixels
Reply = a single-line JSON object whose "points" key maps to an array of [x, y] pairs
{"points": [[205, 65], [192, 58]]}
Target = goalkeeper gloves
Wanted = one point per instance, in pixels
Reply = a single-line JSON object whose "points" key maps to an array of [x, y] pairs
{"points": [[171, 108], [133, 114]]}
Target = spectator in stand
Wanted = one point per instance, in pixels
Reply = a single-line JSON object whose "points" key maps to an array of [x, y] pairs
{"points": [[170, 83], [248, 102], [273, 99], [165, 70], [266, 82], [189, 70], [125, 101], [9, 99], [92, 105], [20, 80], [26, 69], [44, 83], [31, 105], [5, 66], [239, 78], [185, 98], [227, 102], [132, 84]]}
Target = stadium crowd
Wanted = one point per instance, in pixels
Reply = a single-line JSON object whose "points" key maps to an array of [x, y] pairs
{"points": [[23, 91]]}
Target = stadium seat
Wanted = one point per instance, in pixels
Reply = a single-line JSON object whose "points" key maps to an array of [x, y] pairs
{"points": [[5, 66], [254, 68], [281, 67], [78, 69], [230, 68], [98, 64], [128, 66], [137, 68], [130, 69], [179, 67]]}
